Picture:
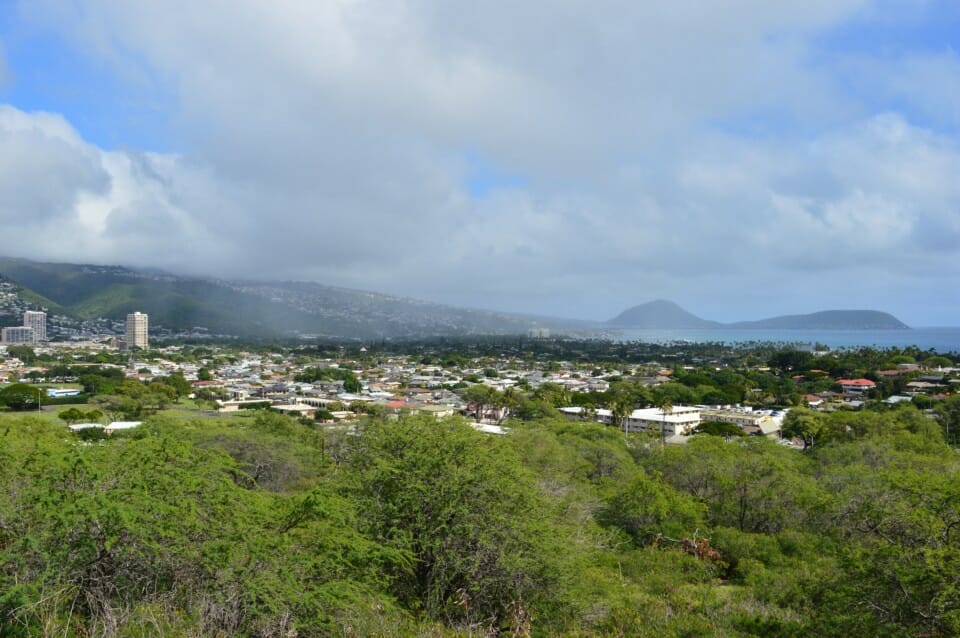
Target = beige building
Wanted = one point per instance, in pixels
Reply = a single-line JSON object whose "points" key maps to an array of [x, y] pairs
{"points": [[742, 419], [38, 321], [136, 335]]}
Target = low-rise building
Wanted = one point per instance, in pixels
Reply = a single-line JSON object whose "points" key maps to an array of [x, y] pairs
{"points": [[17, 334], [736, 417], [679, 420], [858, 387]]}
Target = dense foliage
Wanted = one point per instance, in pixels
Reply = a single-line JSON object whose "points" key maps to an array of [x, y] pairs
{"points": [[261, 525], [312, 375]]}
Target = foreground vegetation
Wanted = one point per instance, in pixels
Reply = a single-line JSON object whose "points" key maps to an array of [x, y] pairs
{"points": [[265, 526]]}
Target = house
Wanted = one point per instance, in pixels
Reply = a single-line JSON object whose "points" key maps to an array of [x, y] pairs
{"points": [[295, 409], [888, 374], [897, 398], [438, 411], [921, 387], [856, 387], [769, 429]]}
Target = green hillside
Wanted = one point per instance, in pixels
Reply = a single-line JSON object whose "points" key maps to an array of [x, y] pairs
{"points": [[89, 292], [254, 308], [35, 298], [261, 525]]}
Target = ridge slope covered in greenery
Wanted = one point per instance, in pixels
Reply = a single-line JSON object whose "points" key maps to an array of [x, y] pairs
{"points": [[247, 308]]}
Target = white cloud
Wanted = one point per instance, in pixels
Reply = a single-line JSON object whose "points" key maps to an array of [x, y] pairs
{"points": [[64, 198], [43, 170], [664, 148]]}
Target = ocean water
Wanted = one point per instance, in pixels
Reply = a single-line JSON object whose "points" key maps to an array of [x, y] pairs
{"points": [[942, 340]]}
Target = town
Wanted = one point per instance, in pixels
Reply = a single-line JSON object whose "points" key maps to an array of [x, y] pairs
{"points": [[671, 392], [448, 479]]}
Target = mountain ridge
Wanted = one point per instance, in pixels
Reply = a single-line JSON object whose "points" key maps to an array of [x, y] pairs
{"points": [[663, 315], [307, 309], [660, 313], [257, 309]]}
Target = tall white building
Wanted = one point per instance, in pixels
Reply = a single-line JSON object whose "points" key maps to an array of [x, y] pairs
{"points": [[38, 321], [136, 336]]}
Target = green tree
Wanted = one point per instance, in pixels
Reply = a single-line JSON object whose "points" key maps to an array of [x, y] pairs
{"points": [[666, 408], [21, 396], [895, 513], [483, 397], [72, 415], [647, 509], [24, 353], [938, 362], [350, 382], [104, 381], [620, 411], [948, 413], [118, 406], [792, 360], [751, 484], [553, 393], [805, 425], [179, 384], [159, 396], [529, 409], [462, 506]]}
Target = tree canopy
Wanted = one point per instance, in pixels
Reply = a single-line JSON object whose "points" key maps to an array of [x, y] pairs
{"points": [[265, 525]]}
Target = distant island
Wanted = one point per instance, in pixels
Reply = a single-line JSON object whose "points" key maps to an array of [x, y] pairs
{"points": [[664, 315]]}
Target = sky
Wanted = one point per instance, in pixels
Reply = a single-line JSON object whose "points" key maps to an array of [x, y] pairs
{"points": [[744, 158]]}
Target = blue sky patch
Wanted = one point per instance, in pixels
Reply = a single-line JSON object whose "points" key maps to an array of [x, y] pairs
{"points": [[483, 176], [47, 74]]}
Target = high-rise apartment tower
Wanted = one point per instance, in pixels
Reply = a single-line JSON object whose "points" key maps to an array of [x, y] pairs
{"points": [[38, 321], [136, 336]]}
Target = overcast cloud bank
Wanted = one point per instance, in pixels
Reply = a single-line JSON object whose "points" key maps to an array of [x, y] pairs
{"points": [[557, 158]]}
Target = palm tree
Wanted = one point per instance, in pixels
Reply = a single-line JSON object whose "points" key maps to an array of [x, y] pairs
{"points": [[507, 401], [666, 407], [620, 410], [588, 413]]}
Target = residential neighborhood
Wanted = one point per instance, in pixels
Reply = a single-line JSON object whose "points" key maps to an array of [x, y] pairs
{"points": [[668, 397]]}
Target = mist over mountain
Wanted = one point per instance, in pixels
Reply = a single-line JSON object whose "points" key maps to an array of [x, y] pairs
{"points": [[665, 315], [255, 309], [291, 309]]}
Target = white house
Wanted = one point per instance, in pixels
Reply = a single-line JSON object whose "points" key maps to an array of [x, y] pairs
{"points": [[680, 420]]}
